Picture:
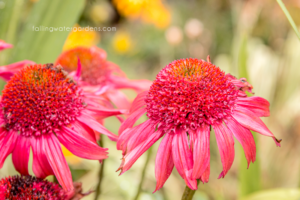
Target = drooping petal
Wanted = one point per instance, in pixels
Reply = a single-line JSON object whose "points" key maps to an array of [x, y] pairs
{"points": [[225, 143], [130, 158], [93, 124], [164, 162], [7, 146], [6, 72], [245, 137], [205, 176], [123, 82], [129, 122], [183, 157], [40, 166], [80, 146], [201, 152], [57, 161], [101, 111], [78, 71], [249, 120], [84, 130], [4, 45], [138, 102], [118, 98], [20, 155], [257, 105]]}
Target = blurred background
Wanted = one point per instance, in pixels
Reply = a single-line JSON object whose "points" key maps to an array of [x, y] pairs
{"points": [[247, 38]]}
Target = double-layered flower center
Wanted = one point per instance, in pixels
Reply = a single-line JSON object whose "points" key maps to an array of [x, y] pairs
{"points": [[40, 98], [190, 92], [95, 68]]}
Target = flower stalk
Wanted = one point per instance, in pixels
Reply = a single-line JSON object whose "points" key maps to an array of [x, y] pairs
{"points": [[100, 175]]}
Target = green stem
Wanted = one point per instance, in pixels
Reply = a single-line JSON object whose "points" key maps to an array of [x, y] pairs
{"points": [[288, 16], [100, 175], [143, 174], [188, 193]]}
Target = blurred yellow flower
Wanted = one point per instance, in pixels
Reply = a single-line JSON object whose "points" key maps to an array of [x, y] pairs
{"points": [[71, 158], [81, 36], [149, 11], [122, 42]]}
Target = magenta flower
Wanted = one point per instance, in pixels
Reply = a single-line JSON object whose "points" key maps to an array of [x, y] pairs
{"points": [[101, 76], [186, 100], [42, 108], [7, 71]]}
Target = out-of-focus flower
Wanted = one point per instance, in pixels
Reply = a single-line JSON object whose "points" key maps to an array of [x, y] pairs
{"points": [[100, 76], [150, 11], [122, 42], [8, 70], [29, 187], [174, 35], [42, 106], [193, 28], [101, 12], [81, 36], [188, 97]]}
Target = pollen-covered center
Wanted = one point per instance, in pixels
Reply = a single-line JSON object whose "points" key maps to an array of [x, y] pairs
{"points": [[189, 92], [40, 98], [95, 69]]}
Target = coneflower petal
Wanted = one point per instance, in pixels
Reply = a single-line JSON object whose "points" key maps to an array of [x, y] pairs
{"points": [[57, 161], [84, 130], [138, 102], [20, 155], [91, 122], [118, 98], [129, 122], [225, 143], [245, 137], [205, 176], [164, 162], [201, 153], [7, 146], [257, 105], [182, 156], [80, 146], [40, 166], [249, 120]]}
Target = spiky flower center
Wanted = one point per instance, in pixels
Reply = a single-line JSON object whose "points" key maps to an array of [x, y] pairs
{"points": [[95, 69], [189, 92], [28, 187], [40, 98]]}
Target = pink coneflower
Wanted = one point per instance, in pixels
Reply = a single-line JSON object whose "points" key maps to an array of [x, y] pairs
{"points": [[43, 108], [29, 187], [7, 71], [186, 100], [99, 75]]}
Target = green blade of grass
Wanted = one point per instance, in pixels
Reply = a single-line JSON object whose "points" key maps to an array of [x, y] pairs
{"points": [[288, 16]]}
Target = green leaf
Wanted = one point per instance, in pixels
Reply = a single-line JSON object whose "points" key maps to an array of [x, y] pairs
{"points": [[288, 16], [44, 46], [277, 194]]}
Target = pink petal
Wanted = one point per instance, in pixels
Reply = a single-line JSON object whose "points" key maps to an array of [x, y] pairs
{"points": [[225, 143], [7, 146], [257, 105], [20, 155], [6, 72], [164, 162], [183, 157], [118, 98], [130, 158], [4, 45], [93, 124], [249, 120], [40, 166], [245, 137], [205, 176], [100, 111], [130, 121], [84, 130], [201, 152], [138, 102], [80, 146], [78, 71], [57, 161], [124, 83]]}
